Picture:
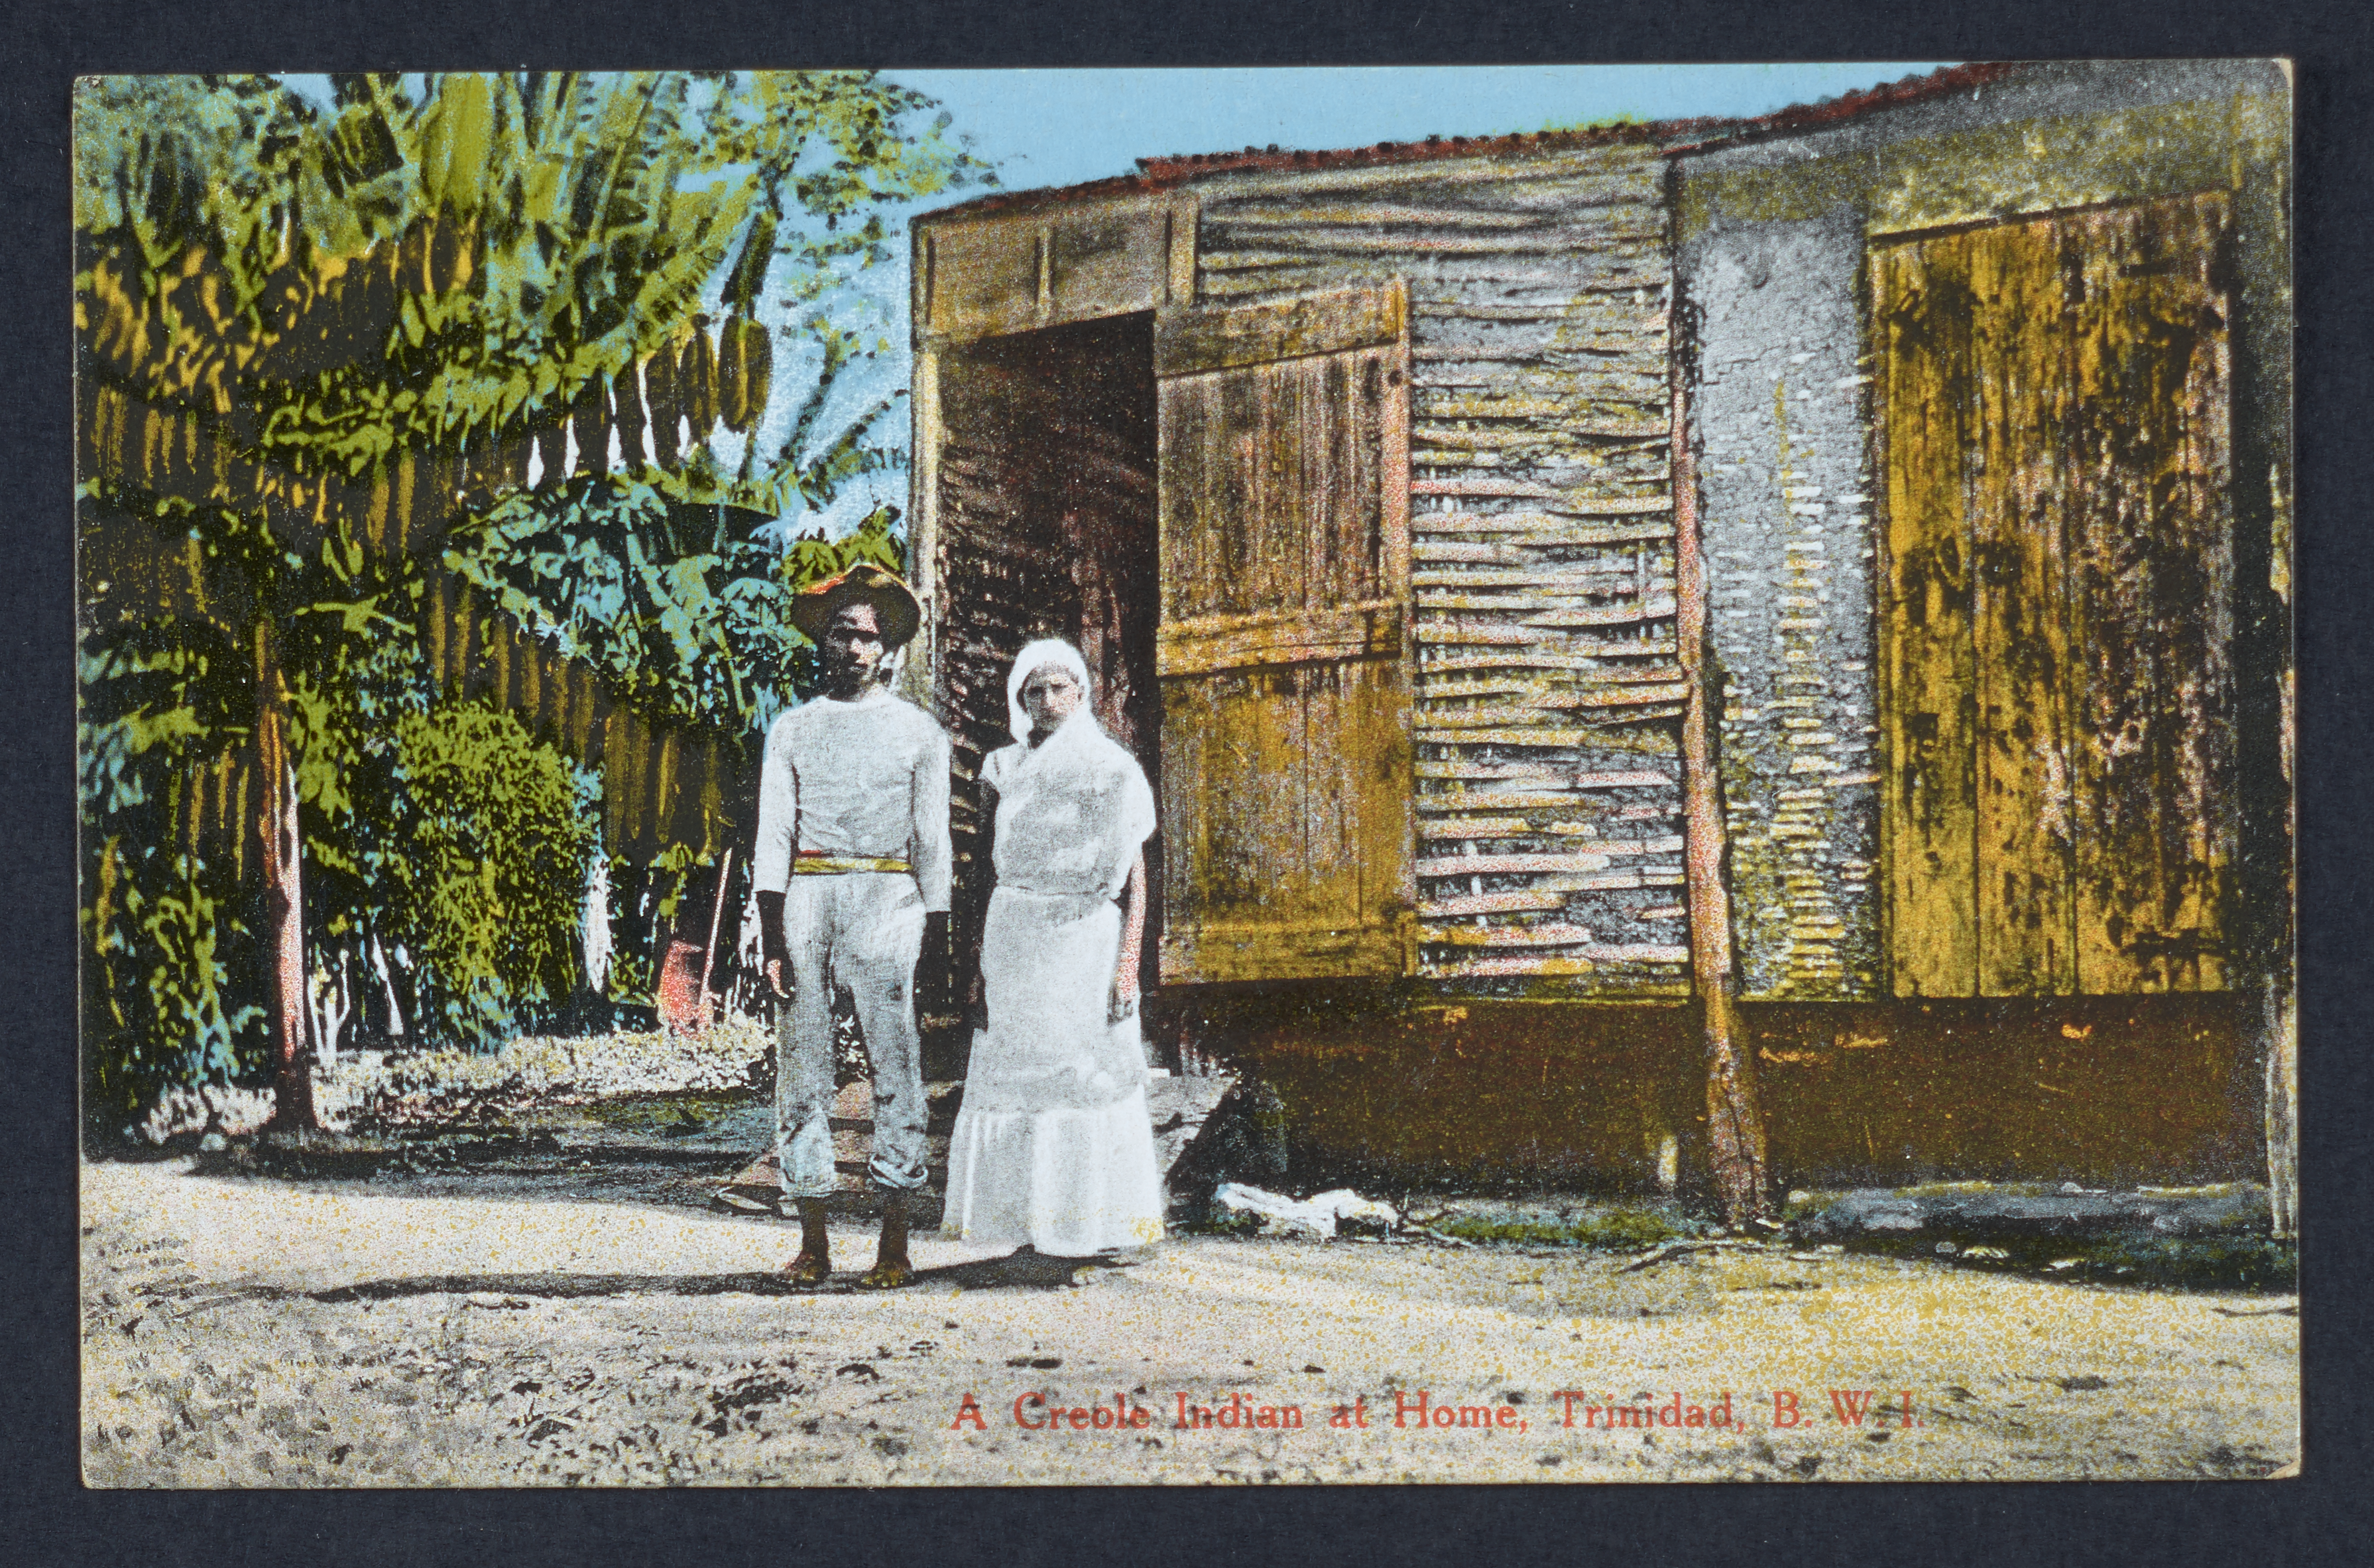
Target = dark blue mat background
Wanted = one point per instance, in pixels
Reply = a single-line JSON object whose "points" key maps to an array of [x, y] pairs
{"points": [[46, 1518]]}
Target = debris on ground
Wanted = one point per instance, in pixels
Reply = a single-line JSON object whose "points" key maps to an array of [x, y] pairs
{"points": [[1999, 1214], [381, 1090], [1325, 1215], [1675, 1249]]}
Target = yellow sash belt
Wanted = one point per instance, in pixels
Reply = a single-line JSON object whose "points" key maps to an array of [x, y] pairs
{"points": [[813, 863]]}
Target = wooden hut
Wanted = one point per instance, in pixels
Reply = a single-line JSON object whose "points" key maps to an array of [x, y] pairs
{"points": [[1804, 594]]}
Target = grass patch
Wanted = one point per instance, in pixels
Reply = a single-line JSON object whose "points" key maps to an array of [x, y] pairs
{"points": [[1611, 1229], [2188, 1263]]}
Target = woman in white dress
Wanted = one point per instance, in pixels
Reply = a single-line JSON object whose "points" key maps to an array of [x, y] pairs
{"points": [[1053, 1147]]}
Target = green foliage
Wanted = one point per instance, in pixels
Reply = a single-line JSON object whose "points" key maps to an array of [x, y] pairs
{"points": [[163, 927], [486, 898], [154, 983], [516, 237], [564, 225], [697, 630]]}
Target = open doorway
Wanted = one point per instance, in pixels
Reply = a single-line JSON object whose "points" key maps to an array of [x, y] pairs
{"points": [[1047, 527]]}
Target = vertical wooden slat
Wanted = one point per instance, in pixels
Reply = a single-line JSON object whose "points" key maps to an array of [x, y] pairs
{"points": [[626, 743], [575, 686], [1179, 231], [1922, 308], [466, 644], [2149, 460], [497, 659], [402, 499], [1387, 756], [440, 616], [2016, 377], [240, 837], [660, 806], [376, 510], [924, 668]]}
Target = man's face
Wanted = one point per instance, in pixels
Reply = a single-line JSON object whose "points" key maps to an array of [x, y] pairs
{"points": [[853, 646]]}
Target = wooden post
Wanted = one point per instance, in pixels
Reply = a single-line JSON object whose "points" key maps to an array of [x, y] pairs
{"points": [[2282, 1006], [2282, 1026], [1735, 1145], [716, 919], [919, 674], [292, 1070]]}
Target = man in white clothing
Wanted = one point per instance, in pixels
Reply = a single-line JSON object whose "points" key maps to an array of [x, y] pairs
{"points": [[853, 867]]}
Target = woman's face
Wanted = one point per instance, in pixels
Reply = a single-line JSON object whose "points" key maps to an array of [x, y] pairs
{"points": [[1050, 696]]}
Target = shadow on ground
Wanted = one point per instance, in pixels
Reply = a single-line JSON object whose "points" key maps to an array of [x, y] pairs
{"points": [[1018, 1272]]}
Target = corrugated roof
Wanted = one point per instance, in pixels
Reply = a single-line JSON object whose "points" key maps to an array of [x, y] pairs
{"points": [[1671, 136]]}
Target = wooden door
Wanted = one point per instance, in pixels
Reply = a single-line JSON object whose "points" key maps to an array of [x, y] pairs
{"points": [[2057, 605], [1284, 648]]}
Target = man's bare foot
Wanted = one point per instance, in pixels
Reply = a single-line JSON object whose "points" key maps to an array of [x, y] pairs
{"points": [[814, 1265], [891, 1266], [887, 1274]]}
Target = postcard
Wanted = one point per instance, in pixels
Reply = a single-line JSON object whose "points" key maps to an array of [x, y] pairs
{"points": [[858, 777]]}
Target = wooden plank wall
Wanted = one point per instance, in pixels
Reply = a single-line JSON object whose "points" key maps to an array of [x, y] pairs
{"points": [[1772, 237], [1548, 693], [662, 784]]}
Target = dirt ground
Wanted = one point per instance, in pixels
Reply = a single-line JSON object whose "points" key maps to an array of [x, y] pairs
{"points": [[420, 1330]]}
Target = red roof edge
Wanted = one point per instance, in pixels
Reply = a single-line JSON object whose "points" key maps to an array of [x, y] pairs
{"points": [[1848, 106], [1191, 166], [1676, 136]]}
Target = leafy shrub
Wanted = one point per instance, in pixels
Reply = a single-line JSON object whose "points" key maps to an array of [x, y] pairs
{"points": [[487, 898]]}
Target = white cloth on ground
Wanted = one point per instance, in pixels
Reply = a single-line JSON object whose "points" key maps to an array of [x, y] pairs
{"points": [[1053, 1145]]}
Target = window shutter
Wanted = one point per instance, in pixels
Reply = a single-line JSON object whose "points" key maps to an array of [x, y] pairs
{"points": [[1285, 645]]}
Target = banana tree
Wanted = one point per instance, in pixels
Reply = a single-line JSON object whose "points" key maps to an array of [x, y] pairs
{"points": [[314, 339]]}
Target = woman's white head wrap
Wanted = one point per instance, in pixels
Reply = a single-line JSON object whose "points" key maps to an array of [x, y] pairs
{"points": [[1033, 658]]}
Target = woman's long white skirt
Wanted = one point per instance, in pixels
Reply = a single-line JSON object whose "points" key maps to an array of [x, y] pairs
{"points": [[1053, 1145], [1070, 1183]]}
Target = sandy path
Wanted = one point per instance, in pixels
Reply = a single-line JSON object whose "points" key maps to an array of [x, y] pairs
{"points": [[508, 1341]]}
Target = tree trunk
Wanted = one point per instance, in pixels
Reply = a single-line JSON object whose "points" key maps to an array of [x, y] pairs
{"points": [[594, 925], [283, 897], [1736, 1145], [387, 984]]}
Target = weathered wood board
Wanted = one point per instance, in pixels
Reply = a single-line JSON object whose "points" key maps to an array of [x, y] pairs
{"points": [[2057, 629], [1285, 645]]}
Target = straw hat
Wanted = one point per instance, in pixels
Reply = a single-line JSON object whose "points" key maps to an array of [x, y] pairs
{"points": [[894, 605]]}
